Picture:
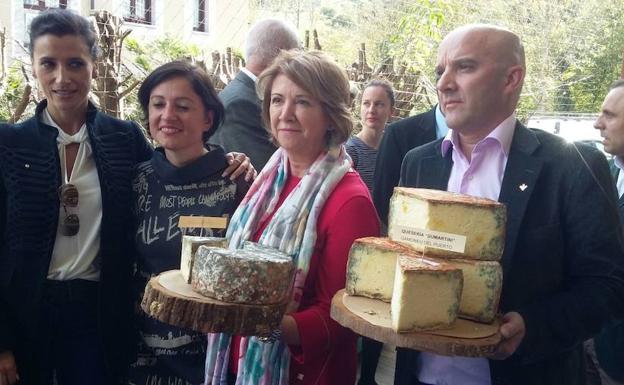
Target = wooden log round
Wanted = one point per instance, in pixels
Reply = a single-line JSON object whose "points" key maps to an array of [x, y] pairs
{"points": [[423, 341], [207, 315]]}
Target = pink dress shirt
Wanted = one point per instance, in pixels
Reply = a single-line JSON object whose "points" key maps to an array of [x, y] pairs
{"points": [[482, 176]]}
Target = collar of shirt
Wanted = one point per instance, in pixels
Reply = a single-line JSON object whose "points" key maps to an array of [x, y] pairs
{"points": [[63, 137], [441, 127], [619, 183], [76, 257], [501, 134], [250, 74], [619, 163]]}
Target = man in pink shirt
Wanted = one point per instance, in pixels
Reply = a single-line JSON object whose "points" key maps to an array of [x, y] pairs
{"points": [[563, 261]]}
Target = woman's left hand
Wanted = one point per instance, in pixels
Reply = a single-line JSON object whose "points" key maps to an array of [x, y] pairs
{"points": [[239, 164]]}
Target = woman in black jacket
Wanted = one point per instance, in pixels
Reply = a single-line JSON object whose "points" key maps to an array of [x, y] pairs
{"points": [[66, 221]]}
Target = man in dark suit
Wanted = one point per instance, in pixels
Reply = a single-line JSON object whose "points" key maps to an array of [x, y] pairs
{"points": [[398, 139], [242, 129], [606, 351], [563, 262]]}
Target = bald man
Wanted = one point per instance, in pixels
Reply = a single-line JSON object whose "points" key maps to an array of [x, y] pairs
{"points": [[563, 259]]}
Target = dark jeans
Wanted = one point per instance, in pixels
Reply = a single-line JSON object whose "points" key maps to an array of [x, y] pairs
{"points": [[71, 344]]}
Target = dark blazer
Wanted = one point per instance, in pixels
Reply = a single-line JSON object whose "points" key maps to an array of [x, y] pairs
{"points": [[242, 129], [563, 260], [398, 139], [29, 212], [610, 342]]}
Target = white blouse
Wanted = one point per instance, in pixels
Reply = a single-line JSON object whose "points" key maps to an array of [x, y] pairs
{"points": [[74, 257]]}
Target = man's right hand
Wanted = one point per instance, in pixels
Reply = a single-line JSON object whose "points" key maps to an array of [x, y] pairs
{"points": [[8, 369]]}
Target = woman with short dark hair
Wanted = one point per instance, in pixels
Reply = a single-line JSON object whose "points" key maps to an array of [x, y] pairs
{"points": [[184, 177]]}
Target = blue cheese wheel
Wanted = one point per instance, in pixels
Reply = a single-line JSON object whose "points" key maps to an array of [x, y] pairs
{"points": [[242, 276]]}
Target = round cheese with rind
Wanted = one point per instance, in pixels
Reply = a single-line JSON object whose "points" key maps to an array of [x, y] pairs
{"points": [[242, 276]]}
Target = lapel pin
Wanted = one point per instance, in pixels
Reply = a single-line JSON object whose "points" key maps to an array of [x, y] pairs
{"points": [[523, 187], [27, 165]]}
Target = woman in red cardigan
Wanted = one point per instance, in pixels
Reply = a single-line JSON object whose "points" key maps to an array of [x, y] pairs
{"points": [[309, 203]]}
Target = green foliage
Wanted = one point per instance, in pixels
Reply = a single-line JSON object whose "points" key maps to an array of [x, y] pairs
{"points": [[11, 91], [140, 54], [172, 48], [336, 20], [414, 38], [573, 48], [160, 51], [596, 67]]}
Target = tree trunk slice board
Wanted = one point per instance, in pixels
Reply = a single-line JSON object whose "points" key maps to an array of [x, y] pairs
{"points": [[169, 299], [371, 318]]}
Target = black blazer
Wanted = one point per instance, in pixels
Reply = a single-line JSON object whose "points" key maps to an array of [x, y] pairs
{"points": [[610, 342], [398, 139], [563, 262], [242, 129], [29, 211]]}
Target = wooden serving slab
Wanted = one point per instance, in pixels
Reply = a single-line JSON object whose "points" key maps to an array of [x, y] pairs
{"points": [[169, 299], [371, 318]]}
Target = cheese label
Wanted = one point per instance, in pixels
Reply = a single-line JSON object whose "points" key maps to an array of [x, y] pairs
{"points": [[429, 238], [203, 222]]}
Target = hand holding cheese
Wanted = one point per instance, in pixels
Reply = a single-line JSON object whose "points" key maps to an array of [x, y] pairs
{"points": [[8, 369], [513, 330]]}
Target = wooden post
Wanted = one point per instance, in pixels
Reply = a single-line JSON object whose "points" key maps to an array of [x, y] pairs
{"points": [[317, 44], [2, 52], [622, 70]]}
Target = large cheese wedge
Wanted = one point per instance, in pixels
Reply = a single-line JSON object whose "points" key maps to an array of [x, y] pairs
{"points": [[371, 267], [241, 276], [483, 283], [190, 244], [371, 271], [443, 215], [426, 294]]}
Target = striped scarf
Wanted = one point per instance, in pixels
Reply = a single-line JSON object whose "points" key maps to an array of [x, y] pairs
{"points": [[292, 230]]}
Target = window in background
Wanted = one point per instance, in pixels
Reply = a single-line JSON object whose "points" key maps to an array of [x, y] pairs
{"points": [[201, 16], [42, 5], [138, 11]]}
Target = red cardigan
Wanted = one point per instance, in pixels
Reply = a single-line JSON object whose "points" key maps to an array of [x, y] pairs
{"points": [[327, 354]]}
